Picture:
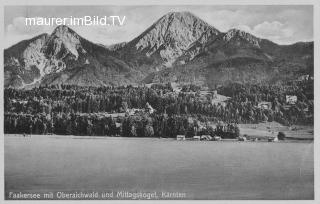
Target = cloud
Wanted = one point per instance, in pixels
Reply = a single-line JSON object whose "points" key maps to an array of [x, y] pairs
{"points": [[281, 24], [224, 20], [18, 30], [19, 26], [274, 31]]}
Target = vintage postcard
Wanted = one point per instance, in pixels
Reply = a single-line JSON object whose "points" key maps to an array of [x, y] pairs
{"points": [[192, 100]]}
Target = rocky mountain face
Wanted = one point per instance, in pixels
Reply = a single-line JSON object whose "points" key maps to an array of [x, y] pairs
{"points": [[117, 46], [241, 38], [238, 56], [173, 35], [23, 61], [179, 47], [62, 57], [242, 61]]}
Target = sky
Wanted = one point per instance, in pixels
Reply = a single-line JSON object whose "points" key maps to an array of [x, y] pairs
{"points": [[280, 24]]}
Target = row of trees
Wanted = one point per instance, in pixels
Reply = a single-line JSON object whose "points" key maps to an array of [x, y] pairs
{"points": [[154, 125], [72, 109], [246, 97], [242, 107]]}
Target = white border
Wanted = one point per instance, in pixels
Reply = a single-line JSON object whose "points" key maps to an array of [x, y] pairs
{"points": [[316, 35]]}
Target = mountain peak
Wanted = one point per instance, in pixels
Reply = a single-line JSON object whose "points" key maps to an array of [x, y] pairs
{"points": [[235, 31], [236, 34], [184, 17], [62, 30], [172, 35], [63, 38], [179, 14]]}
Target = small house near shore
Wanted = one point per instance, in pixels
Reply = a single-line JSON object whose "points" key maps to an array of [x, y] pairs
{"points": [[181, 137], [206, 137], [196, 138]]}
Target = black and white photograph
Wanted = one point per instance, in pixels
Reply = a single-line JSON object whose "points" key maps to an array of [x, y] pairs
{"points": [[159, 102]]}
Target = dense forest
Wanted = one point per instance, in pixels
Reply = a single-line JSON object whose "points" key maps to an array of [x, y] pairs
{"points": [[75, 110]]}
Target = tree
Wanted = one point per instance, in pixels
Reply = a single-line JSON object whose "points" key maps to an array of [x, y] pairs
{"points": [[236, 131], [281, 136], [133, 132], [148, 131], [124, 105]]}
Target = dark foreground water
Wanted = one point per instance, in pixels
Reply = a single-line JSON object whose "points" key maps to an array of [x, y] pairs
{"points": [[190, 169]]}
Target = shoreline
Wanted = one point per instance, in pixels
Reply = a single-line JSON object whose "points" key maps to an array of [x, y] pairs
{"points": [[287, 139]]}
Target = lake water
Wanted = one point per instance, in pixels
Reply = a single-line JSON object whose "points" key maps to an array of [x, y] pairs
{"points": [[195, 169]]}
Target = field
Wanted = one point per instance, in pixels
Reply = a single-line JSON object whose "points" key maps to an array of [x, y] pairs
{"points": [[271, 129], [201, 170]]}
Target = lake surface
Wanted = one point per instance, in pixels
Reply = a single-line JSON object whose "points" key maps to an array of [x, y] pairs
{"points": [[197, 169]]}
